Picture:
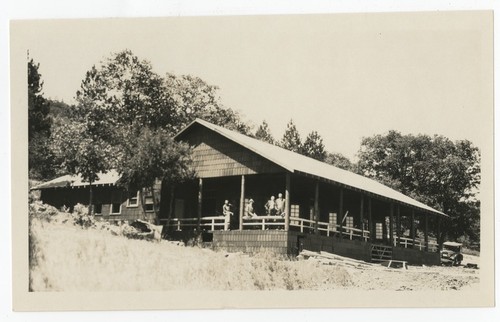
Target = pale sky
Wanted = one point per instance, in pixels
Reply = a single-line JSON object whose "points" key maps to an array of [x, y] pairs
{"points": [[346, 75]]}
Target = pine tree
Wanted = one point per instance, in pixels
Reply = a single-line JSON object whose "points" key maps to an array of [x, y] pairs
{"points": [[291, 138], [263, 133], [313, 146]]}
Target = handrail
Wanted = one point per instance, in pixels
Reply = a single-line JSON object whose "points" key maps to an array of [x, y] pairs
{"points": [[419, 242], [263, 221], [219, 222]]}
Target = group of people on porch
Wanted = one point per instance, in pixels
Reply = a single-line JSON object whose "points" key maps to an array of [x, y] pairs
{"points": [[273, 207]]}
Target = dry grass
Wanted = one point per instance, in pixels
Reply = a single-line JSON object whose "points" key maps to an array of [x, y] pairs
{"points": [[65, 257]]}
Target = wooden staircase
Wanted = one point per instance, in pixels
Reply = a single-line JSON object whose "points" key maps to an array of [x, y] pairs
{"points": [[381, 253]]}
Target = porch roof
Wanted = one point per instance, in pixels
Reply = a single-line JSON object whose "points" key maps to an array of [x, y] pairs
{"points": [[108, 178], [297, 163]]}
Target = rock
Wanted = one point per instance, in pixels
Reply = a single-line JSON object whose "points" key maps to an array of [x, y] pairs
{"points": [[143, 230]]}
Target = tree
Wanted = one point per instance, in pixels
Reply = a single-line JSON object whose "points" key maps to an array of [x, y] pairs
{"points": [[194, 98], [125, 111], [291, 138], [60, 110], [340, 161], [40, 160], [82, 152], [434, 170], [151, 156], [38, 108], [263, 133], [313, 146], [127, 91]]}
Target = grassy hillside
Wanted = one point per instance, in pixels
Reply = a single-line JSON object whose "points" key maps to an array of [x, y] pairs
{"points": [[66, 257]]}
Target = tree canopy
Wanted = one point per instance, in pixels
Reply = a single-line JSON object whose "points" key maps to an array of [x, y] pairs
{"points": [[38, 108], [126, 116], [313, 146], [40, 158], [291, 138], [340, 161], [194, 98], [435, 170], [263, 133]]}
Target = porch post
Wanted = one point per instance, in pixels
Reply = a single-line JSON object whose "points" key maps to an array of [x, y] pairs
{"points": [[361, 213], [370, 220], [413, 227], [341, 212], [200, 201], [426, 233], [439, 233], [316, 207], [242, 201], [391, 224], [398, 226], [287, 202]]}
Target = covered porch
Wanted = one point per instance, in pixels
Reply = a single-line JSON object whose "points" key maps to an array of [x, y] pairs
{"points": [[313, 206]]}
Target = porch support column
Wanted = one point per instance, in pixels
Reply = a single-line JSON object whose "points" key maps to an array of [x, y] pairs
{"points": [[370, 219], [242, 201], [426, 232], [391, 224], [316, 208], [287, 202], [361, 214], [439, 233], [200, 202], [398, 226], [413, 227], [341, 212]]}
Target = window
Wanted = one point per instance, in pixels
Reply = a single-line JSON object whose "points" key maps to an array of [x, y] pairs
{"points": [[332, 220], [98, 209], [149, 204], [116, 208], [133, 200], [349, 221], [294, 213], [379, 230]]}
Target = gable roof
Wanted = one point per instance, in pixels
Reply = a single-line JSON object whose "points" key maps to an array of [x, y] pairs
{"points": [[108, 178], [297, 163]]}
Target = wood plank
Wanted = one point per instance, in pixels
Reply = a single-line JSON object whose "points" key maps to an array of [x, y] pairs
{"points": [[287, 201], [242, 201]]}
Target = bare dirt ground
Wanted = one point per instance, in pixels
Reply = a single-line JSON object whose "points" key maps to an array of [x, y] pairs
{"points": [[416, 278], [371, 276]]}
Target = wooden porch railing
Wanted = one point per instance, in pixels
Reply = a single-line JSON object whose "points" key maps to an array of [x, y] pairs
{"points": [[419, 243], [304, 225], [264, 222], [213, 223]]}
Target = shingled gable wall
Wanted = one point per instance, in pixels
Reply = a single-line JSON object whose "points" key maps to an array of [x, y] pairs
{"points": [[216, 156]]}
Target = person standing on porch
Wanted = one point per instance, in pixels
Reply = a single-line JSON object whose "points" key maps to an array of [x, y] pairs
{"points": [[226, 211], [249, 211], [280, 205], [271, 207]]}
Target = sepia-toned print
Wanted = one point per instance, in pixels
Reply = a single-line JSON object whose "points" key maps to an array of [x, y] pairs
{"points": [[327, 153]]}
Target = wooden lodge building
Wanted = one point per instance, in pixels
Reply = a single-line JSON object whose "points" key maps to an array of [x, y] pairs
{"points": [[326, 208]]}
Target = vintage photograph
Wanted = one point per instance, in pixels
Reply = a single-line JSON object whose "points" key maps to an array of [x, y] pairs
{"points": [[329, 152]]}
